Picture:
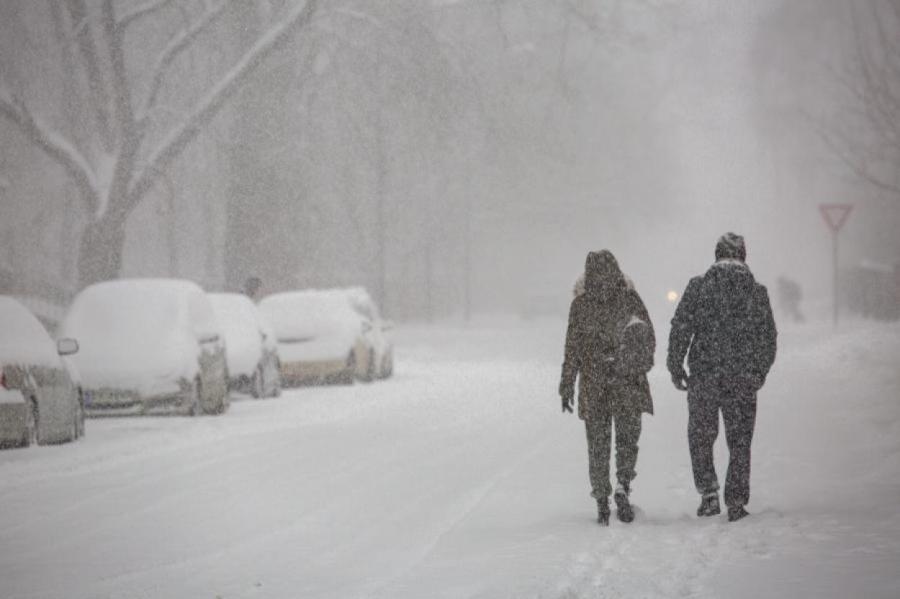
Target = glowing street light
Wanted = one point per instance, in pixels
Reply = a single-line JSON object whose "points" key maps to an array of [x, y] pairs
{"points": [[672, 296]]}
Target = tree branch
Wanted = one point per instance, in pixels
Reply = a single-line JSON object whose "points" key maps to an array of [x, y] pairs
{"points": [[140, 11], [121, 91], [859, 169], [113, 199], [175, 143], [55, 146], [176, 46], [90, 58]]}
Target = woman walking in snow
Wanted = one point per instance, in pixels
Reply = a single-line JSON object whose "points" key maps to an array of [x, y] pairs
{"points": [[609, 349]]}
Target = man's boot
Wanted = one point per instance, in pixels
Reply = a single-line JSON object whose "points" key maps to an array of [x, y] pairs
{"points": [[736, 513], [624, 511], [709, 505]]}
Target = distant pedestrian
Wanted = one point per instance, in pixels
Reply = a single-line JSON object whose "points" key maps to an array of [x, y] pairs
{"points": [[789, 295], [609, 349], [251, 287], [725, 318]]}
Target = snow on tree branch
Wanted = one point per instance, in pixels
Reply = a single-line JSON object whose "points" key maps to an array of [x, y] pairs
{"points": [[176, 46], [208, 107], [54, 145]]}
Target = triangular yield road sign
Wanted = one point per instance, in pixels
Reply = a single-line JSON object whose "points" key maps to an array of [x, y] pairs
{"points": [[835, 215]]}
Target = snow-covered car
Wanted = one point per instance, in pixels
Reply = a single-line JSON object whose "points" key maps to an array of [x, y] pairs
{"points": [[148, 346], [250, 346], [380, 361], [320, 337], [39, 402]]}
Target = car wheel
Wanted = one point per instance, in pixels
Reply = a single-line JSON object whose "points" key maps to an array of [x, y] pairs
{"points": [[387, 366], [79, 418], [223, 404], [370, 367], [257, 388], [73, 430], [196, 408], [278, 380], [276, 392], [31, 423], [349, 375]]}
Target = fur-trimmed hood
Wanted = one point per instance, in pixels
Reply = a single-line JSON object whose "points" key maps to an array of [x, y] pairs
{"points": [[578, 289]]}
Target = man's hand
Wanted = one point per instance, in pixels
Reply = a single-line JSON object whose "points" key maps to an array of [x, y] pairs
{"points": [[567, 403], [680, 380]]}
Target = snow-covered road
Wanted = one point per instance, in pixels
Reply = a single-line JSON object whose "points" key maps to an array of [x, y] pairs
{"points": [[459, 477]]}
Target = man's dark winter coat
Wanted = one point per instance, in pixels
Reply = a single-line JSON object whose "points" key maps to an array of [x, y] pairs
{"points": [[725, 318], [597, 321]]}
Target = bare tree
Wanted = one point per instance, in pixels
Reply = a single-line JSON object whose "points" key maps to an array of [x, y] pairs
{"points": [[125, 108], [866, 136]]}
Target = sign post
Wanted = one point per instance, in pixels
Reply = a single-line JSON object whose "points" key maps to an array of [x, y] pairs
{"points": [[835, 216]]}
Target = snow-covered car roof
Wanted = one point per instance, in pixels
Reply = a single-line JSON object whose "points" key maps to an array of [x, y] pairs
{"points": [[133, 330], [24, 339], [239, 320]]}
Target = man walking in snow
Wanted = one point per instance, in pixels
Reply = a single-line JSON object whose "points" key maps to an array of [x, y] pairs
{"points": [[609, 348], [725, 318]]}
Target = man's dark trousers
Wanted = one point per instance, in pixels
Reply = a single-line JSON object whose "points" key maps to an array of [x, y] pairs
{"points": [[738, 407]]}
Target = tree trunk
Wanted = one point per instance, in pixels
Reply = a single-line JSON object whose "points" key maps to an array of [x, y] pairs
{"points": [[100, 252]]}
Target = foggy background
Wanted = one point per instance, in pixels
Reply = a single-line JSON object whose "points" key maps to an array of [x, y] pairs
{"points": [[455, 157]]}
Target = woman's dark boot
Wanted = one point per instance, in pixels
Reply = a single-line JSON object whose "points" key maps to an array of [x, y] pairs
{"points": [[624, 511]]}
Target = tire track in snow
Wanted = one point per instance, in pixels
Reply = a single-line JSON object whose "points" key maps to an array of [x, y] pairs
{"points": [[454, 518]]}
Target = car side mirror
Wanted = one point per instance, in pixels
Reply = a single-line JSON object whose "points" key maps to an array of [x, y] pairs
{"points": [[263, 336], [66, 347]]}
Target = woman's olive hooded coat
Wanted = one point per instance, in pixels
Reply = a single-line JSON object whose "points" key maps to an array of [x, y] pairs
{"points": [[609, 342]]}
